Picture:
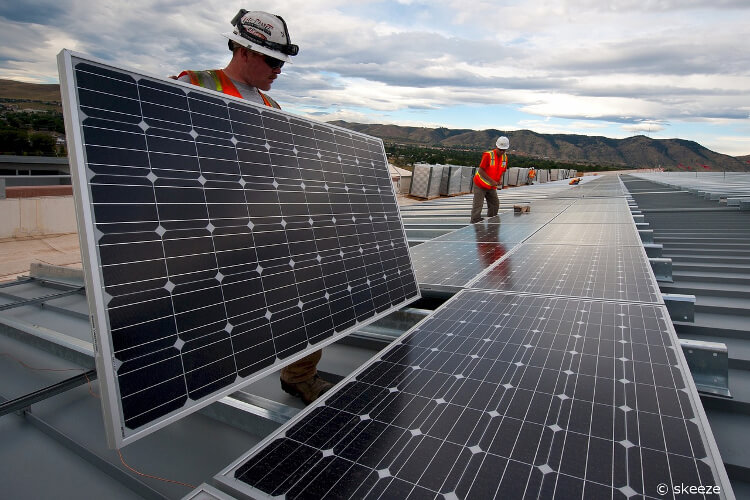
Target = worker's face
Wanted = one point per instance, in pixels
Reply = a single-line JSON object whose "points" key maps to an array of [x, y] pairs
{"points": [[258, 72]]}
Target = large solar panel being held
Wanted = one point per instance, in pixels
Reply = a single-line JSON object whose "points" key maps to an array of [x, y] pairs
{"points": [[506, 396], [220, 239]]}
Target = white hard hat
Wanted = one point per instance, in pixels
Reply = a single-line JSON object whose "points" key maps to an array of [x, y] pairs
{"points": [[262, 32], [503, 143]]}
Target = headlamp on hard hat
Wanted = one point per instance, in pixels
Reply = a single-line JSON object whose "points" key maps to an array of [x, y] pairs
{"points": [[288, 48]]}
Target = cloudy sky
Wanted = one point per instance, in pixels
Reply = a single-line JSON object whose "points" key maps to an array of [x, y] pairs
{"points": [[663, 68]]}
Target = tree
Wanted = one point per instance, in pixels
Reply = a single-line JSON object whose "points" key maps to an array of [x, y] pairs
{"points": [[42, 144], [15, 141]]}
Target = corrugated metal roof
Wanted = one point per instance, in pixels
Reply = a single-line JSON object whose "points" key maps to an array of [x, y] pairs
{"points": [[63, 436], [709, 244]]}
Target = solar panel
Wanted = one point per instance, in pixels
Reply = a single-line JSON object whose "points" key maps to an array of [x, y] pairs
{"points": [[501, 396], [450, 183], [593, 217], [587, 234], [220, 239], [532, 217], [599, 205], [425, 181], [554, 205], [448, 265], [491, 231], [602, 272]]}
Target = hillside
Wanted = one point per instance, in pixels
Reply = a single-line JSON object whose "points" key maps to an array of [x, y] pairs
{"points": [[30, 95], [634, 152], [31, 91]]}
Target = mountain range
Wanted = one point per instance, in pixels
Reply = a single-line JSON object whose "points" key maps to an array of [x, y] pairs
{"points": [[633, 152]]}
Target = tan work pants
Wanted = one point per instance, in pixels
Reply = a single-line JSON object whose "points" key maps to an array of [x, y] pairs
{"points": [[302, 369], [493, 203]]}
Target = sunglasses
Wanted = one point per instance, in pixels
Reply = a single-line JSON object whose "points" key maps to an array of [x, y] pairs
{"points": [[272, 62]]}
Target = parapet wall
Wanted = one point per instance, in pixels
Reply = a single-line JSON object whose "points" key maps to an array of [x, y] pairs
{"points": [[39, 216]]}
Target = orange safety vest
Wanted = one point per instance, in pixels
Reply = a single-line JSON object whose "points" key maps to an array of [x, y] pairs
{"points": [[495, 170], [532, 174], [215, 79]]}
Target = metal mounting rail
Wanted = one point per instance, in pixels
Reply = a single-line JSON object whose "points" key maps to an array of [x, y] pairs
{"points": [[40, 300], [26, 401], [17, 282]]}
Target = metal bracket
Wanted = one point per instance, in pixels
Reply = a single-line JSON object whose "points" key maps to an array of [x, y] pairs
{"points": [[647, 235], [709, 365], [653, 250], [680, 307], [662, 268]]}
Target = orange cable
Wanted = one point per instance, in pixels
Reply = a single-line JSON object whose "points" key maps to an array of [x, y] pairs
{"points": [[29, 367], [153, 477], [122, 459]]}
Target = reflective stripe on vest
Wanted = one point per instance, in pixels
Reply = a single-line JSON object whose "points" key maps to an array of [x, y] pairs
{"points": [[495, 168], [215, 79]]}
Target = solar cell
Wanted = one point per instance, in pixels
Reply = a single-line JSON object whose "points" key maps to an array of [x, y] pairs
{"points": [[452, 264], [554, 205], [593, 217], [491, 231], [587, 234], [532, 217], [599, 205], [501, 396], [221, 239], [603, 272]]}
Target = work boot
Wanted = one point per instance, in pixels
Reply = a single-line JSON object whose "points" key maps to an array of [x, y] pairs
{"points": [[308, 390]]}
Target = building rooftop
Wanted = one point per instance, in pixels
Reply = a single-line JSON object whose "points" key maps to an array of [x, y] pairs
{"points": [[48, 342]]}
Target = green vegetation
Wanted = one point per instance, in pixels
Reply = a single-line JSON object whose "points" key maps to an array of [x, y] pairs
{"points": [[405, 156], [30, 133]]}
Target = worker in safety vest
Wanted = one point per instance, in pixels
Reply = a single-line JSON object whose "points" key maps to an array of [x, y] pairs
{"points": [[260, 46], [532, 175], [487, 180]]}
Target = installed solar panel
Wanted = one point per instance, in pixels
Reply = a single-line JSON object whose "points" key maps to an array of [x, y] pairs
{"points": [[443, 265], [599, 205], [501, 396], [532, 217], [491, 231], [593, 217], [601, 272], [221, 239], [554, 205], [587, 234]]}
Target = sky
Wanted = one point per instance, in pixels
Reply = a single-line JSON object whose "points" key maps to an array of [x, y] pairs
{"points": [[660, 68]]}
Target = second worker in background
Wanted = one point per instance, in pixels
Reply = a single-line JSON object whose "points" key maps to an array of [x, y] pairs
{"points": [[487, 180]]}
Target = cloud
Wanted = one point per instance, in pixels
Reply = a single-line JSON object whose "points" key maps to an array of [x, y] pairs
{"points": [[643, 127], [594, 64]]}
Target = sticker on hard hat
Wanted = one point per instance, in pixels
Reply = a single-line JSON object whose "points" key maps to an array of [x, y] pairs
{"points": [[256, 34], [258, 25]]}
